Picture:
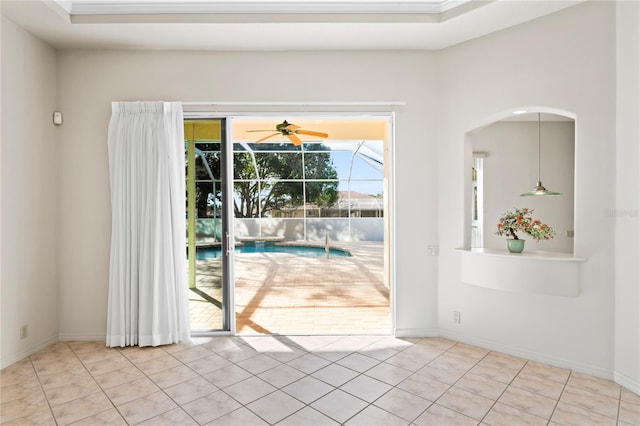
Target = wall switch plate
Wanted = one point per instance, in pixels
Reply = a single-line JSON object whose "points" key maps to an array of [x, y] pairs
{"points": [[24, 332], [456, 317], [57, 118]]}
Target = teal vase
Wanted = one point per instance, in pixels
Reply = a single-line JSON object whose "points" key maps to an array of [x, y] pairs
{"points": [[515, 246]]}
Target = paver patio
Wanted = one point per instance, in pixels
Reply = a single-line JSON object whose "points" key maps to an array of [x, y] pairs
{"points": [[278, 293]]}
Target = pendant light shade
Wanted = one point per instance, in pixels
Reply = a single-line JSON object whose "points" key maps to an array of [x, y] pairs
{"points": [[539, 190]]}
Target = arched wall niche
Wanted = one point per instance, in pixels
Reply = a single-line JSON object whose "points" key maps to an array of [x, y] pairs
{"points": [[502, 162]]}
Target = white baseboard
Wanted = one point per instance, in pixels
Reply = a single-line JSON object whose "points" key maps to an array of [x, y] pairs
{"points": [[572, 365], [625, 381], [416, 332], [12, 359], [82, 337]]}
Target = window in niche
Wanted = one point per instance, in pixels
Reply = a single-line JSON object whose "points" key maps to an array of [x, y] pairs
{"points": [[476, 200]]}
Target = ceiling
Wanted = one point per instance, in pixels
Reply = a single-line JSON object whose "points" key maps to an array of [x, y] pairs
{"points": [[270, 25]]}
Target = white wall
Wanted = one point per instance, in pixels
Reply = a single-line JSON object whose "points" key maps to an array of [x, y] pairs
{"points": [[511, 168], [317, 229], [90, 80], [564, 61], [627, 207], [29, 176]]}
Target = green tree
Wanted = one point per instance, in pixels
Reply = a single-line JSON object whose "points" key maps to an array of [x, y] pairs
{"points": [[208, 185], [263, 179]]}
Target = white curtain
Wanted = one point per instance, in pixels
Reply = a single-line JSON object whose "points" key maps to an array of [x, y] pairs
{"points": [[148, 296]]}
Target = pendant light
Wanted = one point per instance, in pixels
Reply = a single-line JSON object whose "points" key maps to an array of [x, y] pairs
{"points": [[539, 190]]}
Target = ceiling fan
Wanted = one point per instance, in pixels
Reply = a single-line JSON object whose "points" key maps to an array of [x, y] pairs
{"points": [[291, 131]]}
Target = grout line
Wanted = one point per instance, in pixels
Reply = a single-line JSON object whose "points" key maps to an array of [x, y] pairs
{"points": [[432, 403], [505, 390], [101, 390], [53, 416], [361, 345], [555, 407], [619, 406]]}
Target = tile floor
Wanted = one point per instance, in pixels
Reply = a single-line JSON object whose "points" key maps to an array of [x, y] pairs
{"points": [[278, 293], [303, 380]]}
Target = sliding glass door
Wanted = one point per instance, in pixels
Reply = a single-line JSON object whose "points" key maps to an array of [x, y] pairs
{"points": [[208, 249], [308, 221]]}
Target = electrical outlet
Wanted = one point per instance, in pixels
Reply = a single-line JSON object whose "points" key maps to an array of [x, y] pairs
{"points": [[456, 317], [24, 332]]}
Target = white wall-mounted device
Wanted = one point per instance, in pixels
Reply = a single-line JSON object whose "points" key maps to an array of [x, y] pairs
{"points": [[57, 117]]}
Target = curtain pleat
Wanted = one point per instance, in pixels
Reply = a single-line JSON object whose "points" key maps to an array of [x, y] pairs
{"points": [[148, 302]]}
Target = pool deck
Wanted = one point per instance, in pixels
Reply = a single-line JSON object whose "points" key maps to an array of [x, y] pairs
{"points": [[278, 293]]}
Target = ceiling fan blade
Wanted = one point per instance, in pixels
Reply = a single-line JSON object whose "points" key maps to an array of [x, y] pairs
{"points": [[292, 127], [294, 139], [266, 130], [266, 137], [312, 133]]}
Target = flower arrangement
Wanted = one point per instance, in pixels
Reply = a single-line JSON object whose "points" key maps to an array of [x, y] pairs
{"points": [[521, 220]]}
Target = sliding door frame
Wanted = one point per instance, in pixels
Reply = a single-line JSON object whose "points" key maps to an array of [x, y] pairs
{"points": [[227, 118], [226, 238]]}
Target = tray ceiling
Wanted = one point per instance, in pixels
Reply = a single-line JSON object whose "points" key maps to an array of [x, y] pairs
{"points": [[270, 25]]}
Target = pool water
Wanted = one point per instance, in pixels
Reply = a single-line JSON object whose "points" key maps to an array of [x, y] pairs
{"points": [[305, 251]]}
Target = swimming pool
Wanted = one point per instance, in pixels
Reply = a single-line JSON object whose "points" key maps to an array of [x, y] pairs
{"points": [[304, 251]]}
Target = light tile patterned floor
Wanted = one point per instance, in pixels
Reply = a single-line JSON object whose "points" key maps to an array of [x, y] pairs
{"points": [[279, 293], [303, 380]]}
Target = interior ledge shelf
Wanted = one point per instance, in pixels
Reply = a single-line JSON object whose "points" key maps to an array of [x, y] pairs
{"points": [[528, 272]]}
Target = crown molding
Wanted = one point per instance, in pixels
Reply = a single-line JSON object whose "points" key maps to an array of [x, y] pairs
{"points": [[154, 7]]}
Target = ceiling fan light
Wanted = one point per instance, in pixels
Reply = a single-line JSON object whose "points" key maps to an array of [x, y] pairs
{"points": [[291, 131]]}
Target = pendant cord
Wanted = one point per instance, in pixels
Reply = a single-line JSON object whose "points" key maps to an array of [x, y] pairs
{"points": [[538, 147]]}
